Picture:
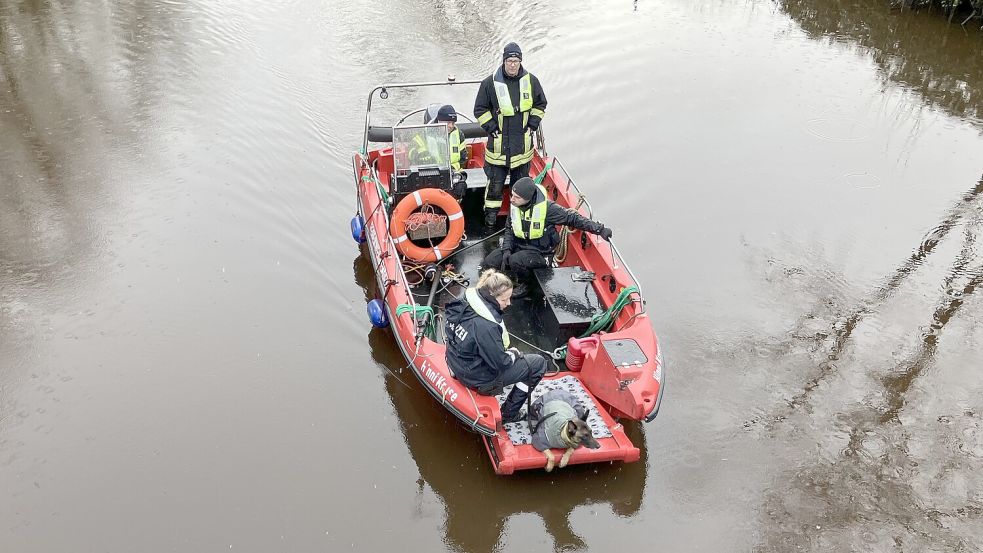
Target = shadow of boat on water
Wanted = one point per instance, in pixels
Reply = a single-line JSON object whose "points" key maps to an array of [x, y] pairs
{"points": [[453, 463]]}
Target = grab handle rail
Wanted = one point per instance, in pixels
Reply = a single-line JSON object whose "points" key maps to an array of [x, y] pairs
{"points": [[615, 253]]}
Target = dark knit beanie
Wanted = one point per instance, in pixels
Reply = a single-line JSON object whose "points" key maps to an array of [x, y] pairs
{"points": [[524, 188], [512, 50]]}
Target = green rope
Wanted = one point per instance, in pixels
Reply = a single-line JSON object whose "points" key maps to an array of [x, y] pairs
{"points": [[603, 321], [378, 186], [419, 311], [542, 175]]}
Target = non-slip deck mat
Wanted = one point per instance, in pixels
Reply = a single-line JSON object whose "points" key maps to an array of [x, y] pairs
{"points": [[519, 431]]}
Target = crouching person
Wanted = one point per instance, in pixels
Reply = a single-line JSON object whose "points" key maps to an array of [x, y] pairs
{"points": [[478, 351], [532, 236]]}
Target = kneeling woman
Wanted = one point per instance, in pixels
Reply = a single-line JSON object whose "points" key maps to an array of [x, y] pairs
{"points": [[478, 351]]}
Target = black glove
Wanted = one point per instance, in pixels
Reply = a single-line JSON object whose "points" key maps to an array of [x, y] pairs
{"points": [[606, 233], [505, 260]]}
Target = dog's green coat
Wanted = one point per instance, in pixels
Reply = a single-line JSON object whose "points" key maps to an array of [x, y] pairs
{"points": [[557, 409]]}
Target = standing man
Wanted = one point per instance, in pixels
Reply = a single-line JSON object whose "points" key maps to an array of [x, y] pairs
{"points": [[509, 106]]}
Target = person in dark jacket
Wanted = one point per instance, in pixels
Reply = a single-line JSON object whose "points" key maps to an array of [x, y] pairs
{"points": [[531, 235], [510, 106], [447, 115], [478, 349]]}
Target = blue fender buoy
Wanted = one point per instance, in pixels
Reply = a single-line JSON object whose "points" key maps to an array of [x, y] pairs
{"points": [[377, 314], [358, 229]]}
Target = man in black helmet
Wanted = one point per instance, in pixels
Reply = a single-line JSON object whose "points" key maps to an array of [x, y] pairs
{"points": [[531, 235], [510, 105]]}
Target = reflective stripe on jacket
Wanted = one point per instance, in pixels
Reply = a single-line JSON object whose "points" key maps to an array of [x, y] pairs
{"points": [[509, 121], [479, 307], [530, 224], [457, 144]]}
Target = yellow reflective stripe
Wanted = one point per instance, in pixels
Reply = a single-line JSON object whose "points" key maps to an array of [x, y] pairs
{"points": [[492, 204], [537, 113], [493, 151], [535, 215], [484, 118], [519, 160], [504, 99], [525, 92], [516, 215], [456, 145], [493, 158]]}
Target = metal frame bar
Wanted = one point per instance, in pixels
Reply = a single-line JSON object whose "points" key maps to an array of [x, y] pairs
{"points": [[368, 105], [590, 213]]}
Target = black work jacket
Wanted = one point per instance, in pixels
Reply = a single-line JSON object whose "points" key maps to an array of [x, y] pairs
{"points": [[513, 139], [555, 215], [475, 352]]}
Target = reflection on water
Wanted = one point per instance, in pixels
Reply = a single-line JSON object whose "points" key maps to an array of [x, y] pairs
{"points": [[77, 84], [453, 465], [890, 471], [175, 188], [941, 62]]}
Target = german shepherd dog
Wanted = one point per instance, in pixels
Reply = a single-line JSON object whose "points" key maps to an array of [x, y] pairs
{"points": [[570, 434], [576, 433]]}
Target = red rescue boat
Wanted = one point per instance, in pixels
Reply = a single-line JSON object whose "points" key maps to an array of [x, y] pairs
{"points": [[588, 314]]}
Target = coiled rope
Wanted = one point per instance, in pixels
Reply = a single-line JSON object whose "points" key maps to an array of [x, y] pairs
{"points": [[604, 320]]}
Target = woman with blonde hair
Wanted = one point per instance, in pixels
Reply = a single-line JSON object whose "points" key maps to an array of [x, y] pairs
{"points": [[478, 346]]}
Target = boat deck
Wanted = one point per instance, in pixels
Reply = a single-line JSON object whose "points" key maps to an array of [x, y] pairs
{"points": [[524, 318]]}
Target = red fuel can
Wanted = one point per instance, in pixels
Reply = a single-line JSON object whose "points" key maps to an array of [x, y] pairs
{"points": [[577, 348]]}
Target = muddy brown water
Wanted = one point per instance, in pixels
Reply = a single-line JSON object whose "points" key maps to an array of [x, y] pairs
{"points": [[185, 360]]}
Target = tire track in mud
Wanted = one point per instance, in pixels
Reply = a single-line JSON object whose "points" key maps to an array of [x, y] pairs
{"points": [[899, 382], [842, 329], [890, 486]]}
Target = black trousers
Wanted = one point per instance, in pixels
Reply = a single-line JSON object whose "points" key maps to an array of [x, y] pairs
{"points": [[521, 263], [496, 182], [525, 373]]}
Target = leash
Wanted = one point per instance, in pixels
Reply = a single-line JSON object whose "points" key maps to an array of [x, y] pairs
{"points": [[551, 355]]}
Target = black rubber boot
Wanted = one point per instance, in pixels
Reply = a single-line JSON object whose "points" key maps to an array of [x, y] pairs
{"points": [[512, 405], [491, 217]]}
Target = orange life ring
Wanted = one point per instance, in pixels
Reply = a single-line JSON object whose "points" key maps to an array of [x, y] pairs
{"points": [[416, 200]]}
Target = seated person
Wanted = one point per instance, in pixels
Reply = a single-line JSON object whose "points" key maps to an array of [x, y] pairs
{"points": [[420, 154], [478, 351], [531, 235]]}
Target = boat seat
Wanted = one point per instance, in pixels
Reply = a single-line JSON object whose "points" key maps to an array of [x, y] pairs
{"points": [[476, 178], [571, 301]]}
